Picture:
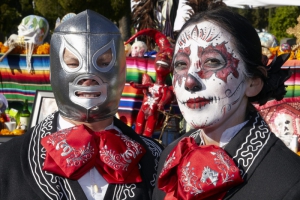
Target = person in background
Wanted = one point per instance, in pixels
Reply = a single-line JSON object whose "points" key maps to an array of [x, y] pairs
{"points": [[82, 151], [231, 152]]}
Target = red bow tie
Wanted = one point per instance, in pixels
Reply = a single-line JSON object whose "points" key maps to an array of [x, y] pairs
{"points": [[193, 172], [74, 151]]}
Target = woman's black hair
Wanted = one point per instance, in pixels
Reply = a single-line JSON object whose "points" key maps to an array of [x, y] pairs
{"points": [[247, 42]]}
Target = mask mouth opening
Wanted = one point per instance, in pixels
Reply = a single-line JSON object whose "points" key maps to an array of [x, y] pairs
{"points": [[87, 94], [89, 84], [88, 91]]}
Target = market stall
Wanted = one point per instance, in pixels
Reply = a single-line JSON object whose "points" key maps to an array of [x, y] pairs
{"points": [[17, 84]]}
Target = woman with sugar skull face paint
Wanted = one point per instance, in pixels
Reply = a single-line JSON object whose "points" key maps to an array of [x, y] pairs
{"points": [[230, 153]]}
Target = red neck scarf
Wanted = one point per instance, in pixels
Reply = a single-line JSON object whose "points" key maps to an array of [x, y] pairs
{"points": [[74, 151], [193, 172]]}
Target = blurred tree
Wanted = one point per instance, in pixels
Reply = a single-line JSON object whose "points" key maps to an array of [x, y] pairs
{"points": [[258, 17], [282, 19], [261, 18], [274, 20], [10, 17], [247, 13], [51, 10], [27, 7], [112, 9], [13, 11]]}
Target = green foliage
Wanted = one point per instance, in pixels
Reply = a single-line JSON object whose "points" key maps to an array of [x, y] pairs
{"points": [[261, 18], [112, 9], [50, 10], [247, 13], [275, 20], [10, 18], [26, 7], [13, 11], [282, 19], [257, 17]]}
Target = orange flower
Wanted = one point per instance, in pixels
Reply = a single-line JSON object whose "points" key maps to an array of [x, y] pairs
{"points": [[41, 49], [5, 132], [4, 49]]}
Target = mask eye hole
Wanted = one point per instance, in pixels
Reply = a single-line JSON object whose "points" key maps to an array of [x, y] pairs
{"points": [[70, 59], [104, 59]]}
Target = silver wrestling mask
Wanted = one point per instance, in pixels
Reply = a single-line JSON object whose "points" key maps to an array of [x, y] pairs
{"points": [[88, 36]]}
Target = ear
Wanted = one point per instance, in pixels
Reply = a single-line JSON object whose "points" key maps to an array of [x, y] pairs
{"points": [[254, 86]]}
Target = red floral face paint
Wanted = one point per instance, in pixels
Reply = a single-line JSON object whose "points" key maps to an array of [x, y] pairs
{"points": [[216, 60], [182, 65]]}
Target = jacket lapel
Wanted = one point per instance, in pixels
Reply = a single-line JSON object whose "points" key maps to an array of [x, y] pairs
{"points": [[47, 185], [250, 146]]}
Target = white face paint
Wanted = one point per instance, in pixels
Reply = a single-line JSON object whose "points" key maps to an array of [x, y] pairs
{"points": [[208, 80]]}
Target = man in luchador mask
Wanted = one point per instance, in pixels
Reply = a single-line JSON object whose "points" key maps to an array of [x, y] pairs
{"points": [[82, 151]]}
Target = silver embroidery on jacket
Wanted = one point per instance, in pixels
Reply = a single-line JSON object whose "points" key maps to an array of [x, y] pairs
{"points": [[156, 151], [51, 185], [124, 191], [256, 140]]}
